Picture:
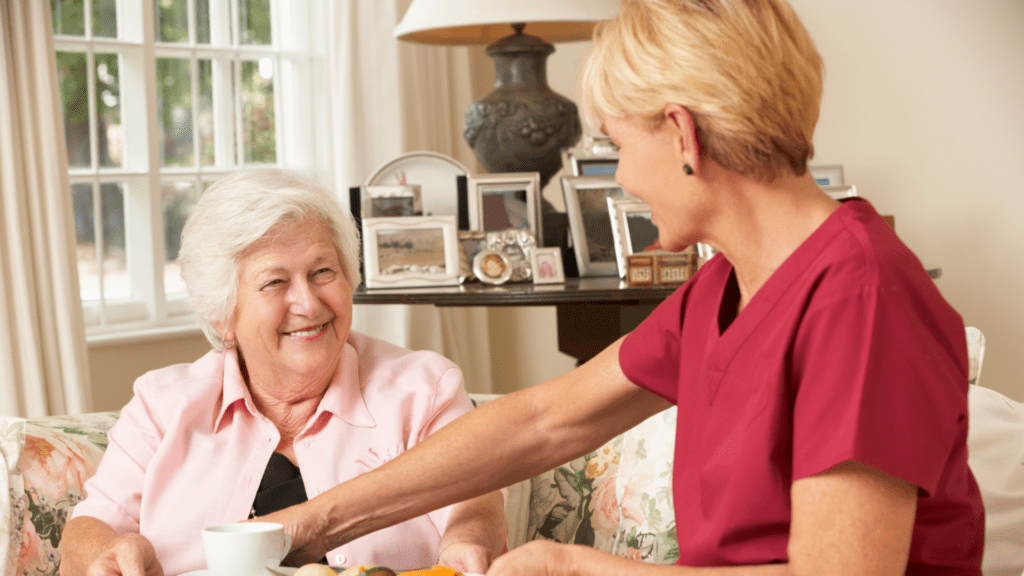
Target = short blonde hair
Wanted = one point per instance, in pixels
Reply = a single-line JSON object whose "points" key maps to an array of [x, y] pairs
{"points": [[746, 70], [234, 214]]}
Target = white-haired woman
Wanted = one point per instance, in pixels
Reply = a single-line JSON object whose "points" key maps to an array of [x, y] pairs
{"points": [[821, 378], [289, 403]]}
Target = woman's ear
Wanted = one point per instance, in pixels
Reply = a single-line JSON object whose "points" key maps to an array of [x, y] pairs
{"points": [[684, 131]]}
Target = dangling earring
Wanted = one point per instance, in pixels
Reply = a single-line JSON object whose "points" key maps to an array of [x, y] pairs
{"points": [[687, 170], [229, 344]]}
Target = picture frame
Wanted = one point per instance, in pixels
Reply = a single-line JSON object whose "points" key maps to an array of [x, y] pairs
{"points": [[839, 192], [492, 267], [517, 245], [410, 251], [391, 201], [831, 175], [597, 156], [632, 228], [547, 265], [590, 225], [507, 200]]}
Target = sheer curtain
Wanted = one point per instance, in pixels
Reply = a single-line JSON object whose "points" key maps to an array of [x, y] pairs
{"points": [[387, 98], [43, 359]]}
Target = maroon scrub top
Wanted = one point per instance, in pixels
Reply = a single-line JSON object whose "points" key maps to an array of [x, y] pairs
{"points": [[848, 352]]}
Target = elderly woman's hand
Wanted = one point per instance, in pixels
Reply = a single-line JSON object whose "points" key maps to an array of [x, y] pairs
{"points": [[127, 555], [465, 557]]}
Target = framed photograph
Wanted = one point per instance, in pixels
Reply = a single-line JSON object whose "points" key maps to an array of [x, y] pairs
{"points": [[632, 228], [590, 163], [410, 251], [838, 192], [391, 201], [502, 201], [590, 226], [492, 267], [827, 175], [517, 245], [547, 265]]}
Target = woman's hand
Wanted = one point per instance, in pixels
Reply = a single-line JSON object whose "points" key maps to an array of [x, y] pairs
{"points": [[535, 558], [465, 557], [127, 555], [305, 524]]}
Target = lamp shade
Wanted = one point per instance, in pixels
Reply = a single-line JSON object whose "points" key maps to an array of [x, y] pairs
{"points": [[484, 21]]}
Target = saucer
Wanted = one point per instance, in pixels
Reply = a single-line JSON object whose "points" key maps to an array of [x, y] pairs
{"points": [[279, 571]]}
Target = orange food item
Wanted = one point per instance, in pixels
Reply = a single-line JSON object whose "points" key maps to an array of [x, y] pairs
{"points": [[432, 571]]}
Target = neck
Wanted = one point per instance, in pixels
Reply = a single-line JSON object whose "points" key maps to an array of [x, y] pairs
{"points": [[764, 223]]}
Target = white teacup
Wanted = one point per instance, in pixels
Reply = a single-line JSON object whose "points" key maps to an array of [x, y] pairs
{"points": [[245, 549]]}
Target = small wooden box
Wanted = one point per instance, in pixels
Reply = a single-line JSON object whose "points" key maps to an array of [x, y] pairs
{"points": [[660, 267]]}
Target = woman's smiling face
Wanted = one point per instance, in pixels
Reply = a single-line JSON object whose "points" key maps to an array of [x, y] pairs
{"points": [[294, 308]]}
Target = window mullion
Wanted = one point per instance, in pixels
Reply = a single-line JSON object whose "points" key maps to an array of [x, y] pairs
{"points": [[97, 234]]}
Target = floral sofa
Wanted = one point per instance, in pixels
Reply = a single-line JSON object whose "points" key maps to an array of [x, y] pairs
{"points": [[617, 499]]}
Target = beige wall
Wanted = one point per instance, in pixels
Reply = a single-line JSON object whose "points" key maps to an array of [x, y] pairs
{"points": [[921, 106]]}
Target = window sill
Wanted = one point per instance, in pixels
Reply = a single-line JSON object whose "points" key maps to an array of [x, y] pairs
{"points": [[138, 335]]}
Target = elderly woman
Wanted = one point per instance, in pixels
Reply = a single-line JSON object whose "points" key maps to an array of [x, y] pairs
{"points": [[289, 403], [821, 378]]}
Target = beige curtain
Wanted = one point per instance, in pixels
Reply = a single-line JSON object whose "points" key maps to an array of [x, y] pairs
{"points": [[43, 360], [388, 98]]}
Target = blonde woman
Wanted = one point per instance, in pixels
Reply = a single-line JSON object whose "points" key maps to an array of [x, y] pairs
{"points": [[821, 378]]}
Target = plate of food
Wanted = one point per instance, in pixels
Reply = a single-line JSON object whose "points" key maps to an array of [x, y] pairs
{"points": [[435, 173]]}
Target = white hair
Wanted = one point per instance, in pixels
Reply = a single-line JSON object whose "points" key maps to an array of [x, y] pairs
{"points": [[235, 213]]}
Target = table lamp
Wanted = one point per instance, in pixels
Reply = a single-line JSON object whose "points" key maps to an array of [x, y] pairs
{"points": [[522, 126]]}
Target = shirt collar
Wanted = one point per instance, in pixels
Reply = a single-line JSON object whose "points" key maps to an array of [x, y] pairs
{"points": [[343, 397]]}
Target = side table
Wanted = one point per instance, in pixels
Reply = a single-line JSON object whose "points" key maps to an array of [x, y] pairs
{"points": [[592, 312]]}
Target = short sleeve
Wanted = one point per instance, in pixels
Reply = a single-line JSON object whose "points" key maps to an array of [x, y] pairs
{"points": [[649, 355], [880, 379]]}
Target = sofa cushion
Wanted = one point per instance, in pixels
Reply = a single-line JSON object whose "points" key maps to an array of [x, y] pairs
{"points": [[644, 490], [995, 442], [60, 453], [576, 503]]}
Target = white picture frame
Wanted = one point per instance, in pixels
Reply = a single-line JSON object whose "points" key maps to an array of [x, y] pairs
{"points": [[590, 225], [840, 192], [632, 228], [596, 156], [547, 265], [830, 175], [506, 200], [391, 201], [412, 251]]}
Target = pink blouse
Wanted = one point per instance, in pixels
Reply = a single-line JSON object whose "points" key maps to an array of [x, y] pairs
{"points": [[189, 449]]}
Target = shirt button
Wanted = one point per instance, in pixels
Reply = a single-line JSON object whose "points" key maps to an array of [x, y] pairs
{"points": [[339, 560]]}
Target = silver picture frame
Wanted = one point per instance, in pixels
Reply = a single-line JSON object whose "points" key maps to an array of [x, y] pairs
{"points": [[830, 175], [590, 226], [505, 200], [391, 201], [632, 229], [839, 192], [412, 251]]}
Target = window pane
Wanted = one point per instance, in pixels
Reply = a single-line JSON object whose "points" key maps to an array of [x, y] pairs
{"points": [[258, 111], [175, 111], [85, 241], [104, 18], [74, 96], [108, 105], [171, 20], [116, 283], [178, 200], [204, 121], [202, 21], [68, 17], [254, 21]]}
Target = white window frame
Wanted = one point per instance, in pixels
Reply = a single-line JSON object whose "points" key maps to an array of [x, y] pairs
{"points": [[150, 312]]}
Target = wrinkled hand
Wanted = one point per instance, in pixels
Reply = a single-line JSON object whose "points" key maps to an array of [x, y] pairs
{"points": [[127, 555], [307, 529], [465, 557], [535, 558]]}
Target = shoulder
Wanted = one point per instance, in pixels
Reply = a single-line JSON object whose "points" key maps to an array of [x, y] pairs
{"points": [[380, 360], [184, 381]]}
